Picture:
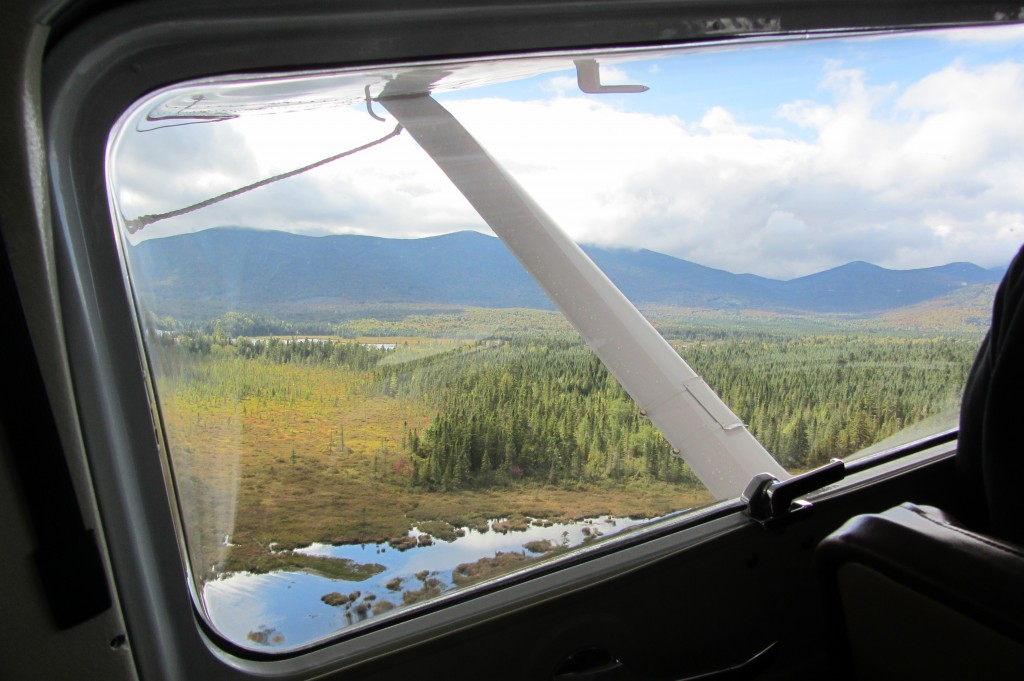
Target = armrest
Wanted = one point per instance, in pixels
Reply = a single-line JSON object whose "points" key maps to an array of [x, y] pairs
{"points": [[925, 550]]}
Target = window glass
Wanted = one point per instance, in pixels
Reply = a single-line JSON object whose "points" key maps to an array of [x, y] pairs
{"points": [[368, 403]]}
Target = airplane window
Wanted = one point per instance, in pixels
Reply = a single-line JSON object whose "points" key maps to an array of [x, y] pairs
{"points": [[369, 402]]}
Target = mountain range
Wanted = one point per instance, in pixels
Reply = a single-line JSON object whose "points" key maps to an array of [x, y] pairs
{"points": [[246, 269]]}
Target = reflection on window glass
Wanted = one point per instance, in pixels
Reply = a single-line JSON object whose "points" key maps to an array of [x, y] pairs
{"points": [[368, 403]]}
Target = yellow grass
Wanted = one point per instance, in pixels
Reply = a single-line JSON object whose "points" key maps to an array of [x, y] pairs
{"points": [[259, 464]]}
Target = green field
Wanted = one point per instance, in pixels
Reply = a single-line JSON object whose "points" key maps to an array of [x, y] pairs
{"points": [[483, 414]]}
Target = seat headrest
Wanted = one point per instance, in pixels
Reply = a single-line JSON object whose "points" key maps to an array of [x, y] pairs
{"points": [[990, 451]]}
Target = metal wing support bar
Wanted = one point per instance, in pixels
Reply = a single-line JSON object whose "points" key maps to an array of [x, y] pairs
{"points": [[707, 434]]}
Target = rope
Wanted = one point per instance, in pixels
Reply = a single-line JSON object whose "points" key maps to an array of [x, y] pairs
{"points": [[138, 223]]}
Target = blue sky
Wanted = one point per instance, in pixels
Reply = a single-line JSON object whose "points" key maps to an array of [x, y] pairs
{"points": [[757, 80], [779, 159]]}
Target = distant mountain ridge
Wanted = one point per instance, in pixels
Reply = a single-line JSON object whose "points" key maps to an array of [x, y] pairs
{"points": [[248, 269]]}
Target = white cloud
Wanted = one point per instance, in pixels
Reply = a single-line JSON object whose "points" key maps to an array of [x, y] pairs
{"points": [[901, 176], [883, 166], [561, 85]]}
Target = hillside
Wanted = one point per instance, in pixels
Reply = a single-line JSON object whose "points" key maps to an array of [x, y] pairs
{"points": [[203, 273]]}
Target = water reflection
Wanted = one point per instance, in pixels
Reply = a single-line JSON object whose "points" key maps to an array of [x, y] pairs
{"points": [[289, 609]]}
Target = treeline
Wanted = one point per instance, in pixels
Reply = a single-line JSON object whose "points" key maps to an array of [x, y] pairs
{"points": [[528, 407], [814, 398], [541, 406], [355, 356], [376, 322], [547, 409], [298, 350], [226, 327]]}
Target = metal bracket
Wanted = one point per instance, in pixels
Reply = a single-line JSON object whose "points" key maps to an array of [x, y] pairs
{"points": [[588, 77], [768, 498]]}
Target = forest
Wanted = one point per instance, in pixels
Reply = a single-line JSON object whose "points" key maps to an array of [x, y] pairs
{"points": [[541, 406], [545, 408], [495, 414]]}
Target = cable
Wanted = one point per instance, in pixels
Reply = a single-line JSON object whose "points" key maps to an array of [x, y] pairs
{"points": [[138, 223]]}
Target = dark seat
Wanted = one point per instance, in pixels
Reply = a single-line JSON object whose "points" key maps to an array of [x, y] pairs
{"points": [[915, 593]]}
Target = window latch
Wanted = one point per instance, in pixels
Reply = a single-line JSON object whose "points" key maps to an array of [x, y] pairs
{"points": [[768, 498]]}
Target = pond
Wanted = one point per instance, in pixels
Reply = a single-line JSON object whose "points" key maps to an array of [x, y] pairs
{"points": [[285, 610]]}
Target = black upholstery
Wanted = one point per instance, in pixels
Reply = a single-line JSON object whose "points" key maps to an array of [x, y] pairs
{"points": [[914, 593], [936, 576], [990, 457]]}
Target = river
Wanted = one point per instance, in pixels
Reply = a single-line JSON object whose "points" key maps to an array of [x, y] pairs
{"points": [[285, 610]]}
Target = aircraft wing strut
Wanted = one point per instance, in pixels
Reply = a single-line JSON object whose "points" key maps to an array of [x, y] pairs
{"points": [[712, 440]]}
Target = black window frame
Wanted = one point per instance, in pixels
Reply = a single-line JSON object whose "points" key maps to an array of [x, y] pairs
{"points": [[100, 64]]}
